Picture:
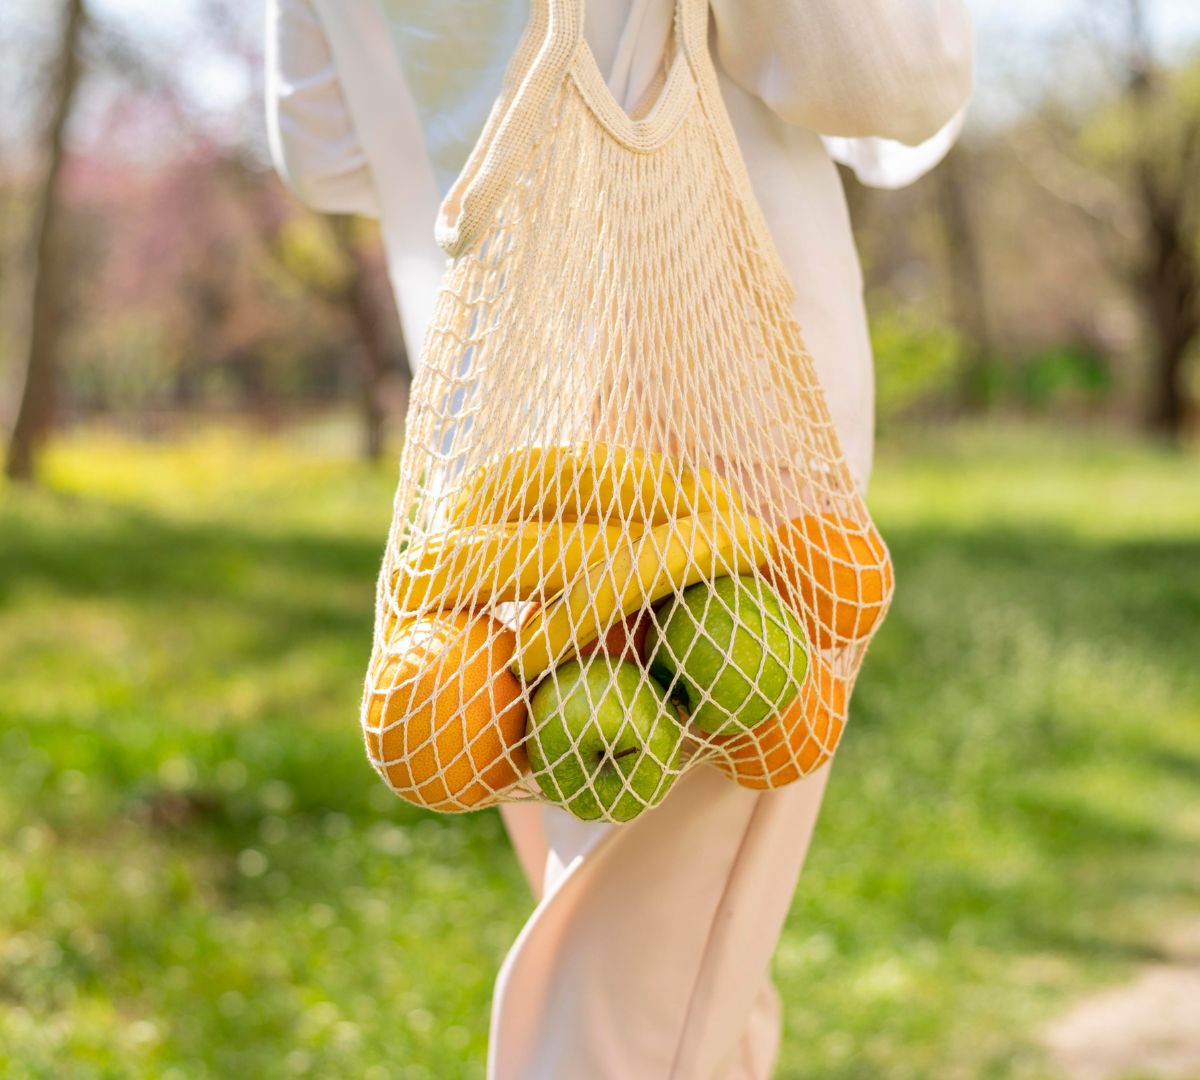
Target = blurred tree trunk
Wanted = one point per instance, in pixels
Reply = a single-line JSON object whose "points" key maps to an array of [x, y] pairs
{"points": [[968, 299], [1167, 278], [36, 410], [367, 321], [352, 295], [1169, 288]]}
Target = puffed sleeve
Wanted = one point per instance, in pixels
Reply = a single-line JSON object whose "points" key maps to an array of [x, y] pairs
{"points": [[311, 132], [899, 70]]}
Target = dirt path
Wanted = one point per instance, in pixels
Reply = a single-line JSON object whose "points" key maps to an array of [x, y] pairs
{"points": [[1149, 1028]]}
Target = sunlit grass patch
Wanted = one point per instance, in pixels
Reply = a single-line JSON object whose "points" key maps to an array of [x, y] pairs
{"points": [[203, 877]]}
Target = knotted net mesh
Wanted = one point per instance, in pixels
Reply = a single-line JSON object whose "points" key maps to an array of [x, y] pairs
{"points": [[625, 541]]}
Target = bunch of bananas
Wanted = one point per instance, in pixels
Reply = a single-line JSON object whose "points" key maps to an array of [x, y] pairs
{"points": [[590, 533]]}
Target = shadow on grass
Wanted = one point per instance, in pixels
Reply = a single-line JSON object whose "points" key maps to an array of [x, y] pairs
{"points": [[1144, 592], [131, 554], [292, 589]]}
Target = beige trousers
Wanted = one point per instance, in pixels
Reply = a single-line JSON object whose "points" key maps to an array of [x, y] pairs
{"points": [[648, 955]]}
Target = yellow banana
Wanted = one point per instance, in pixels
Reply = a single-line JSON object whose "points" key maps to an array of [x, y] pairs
{"points": [[499, 563], [639, 571], [591, 482]]}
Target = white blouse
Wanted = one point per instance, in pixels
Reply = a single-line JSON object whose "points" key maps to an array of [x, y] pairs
{"points": [[373, 106]]}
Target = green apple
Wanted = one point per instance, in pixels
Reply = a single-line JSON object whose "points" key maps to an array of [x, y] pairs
{"points": [[730, 651], [604, 740]]}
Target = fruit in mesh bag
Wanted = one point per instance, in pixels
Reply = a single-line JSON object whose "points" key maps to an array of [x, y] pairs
{"points": [[497, 564], [793, 743], [730, 651], [641, 570], [625, 640], [604, 742], [837, 572], [444, 718], [591, 482]]}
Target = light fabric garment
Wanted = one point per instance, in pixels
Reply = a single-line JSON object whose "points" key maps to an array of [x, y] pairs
{"points": [[454, 54], [648, 954]]}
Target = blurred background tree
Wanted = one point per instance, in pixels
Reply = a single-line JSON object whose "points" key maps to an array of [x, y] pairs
{"points": [[47, 272], [1154, 148], [1128, 163], [156, 270]]}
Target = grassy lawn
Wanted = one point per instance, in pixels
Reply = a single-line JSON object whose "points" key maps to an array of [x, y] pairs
{"points": [[202, 877]]}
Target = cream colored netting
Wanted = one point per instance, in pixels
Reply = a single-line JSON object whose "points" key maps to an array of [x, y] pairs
{"points": [[625, 541]]}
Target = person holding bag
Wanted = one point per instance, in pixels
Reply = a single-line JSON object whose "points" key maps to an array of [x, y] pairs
{"points": [[642, 212]]}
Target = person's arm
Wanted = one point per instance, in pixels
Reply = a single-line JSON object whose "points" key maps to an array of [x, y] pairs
{"points": [[896, 69], [311, 132]]}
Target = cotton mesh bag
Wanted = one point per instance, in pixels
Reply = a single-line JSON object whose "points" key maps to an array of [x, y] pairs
{"points": [[625, 540]]}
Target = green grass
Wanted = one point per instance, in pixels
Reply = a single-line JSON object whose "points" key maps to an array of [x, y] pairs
{"points": [[202, 877]]}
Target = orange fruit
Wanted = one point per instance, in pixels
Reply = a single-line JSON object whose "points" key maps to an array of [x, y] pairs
{"points": [[793, 744], [835, 572], [625, 640], [445, 717]]}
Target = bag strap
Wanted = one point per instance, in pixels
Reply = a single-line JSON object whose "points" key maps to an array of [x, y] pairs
{"points": [[691, 28], [541, 64], [542, 61], [537, 70]]}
